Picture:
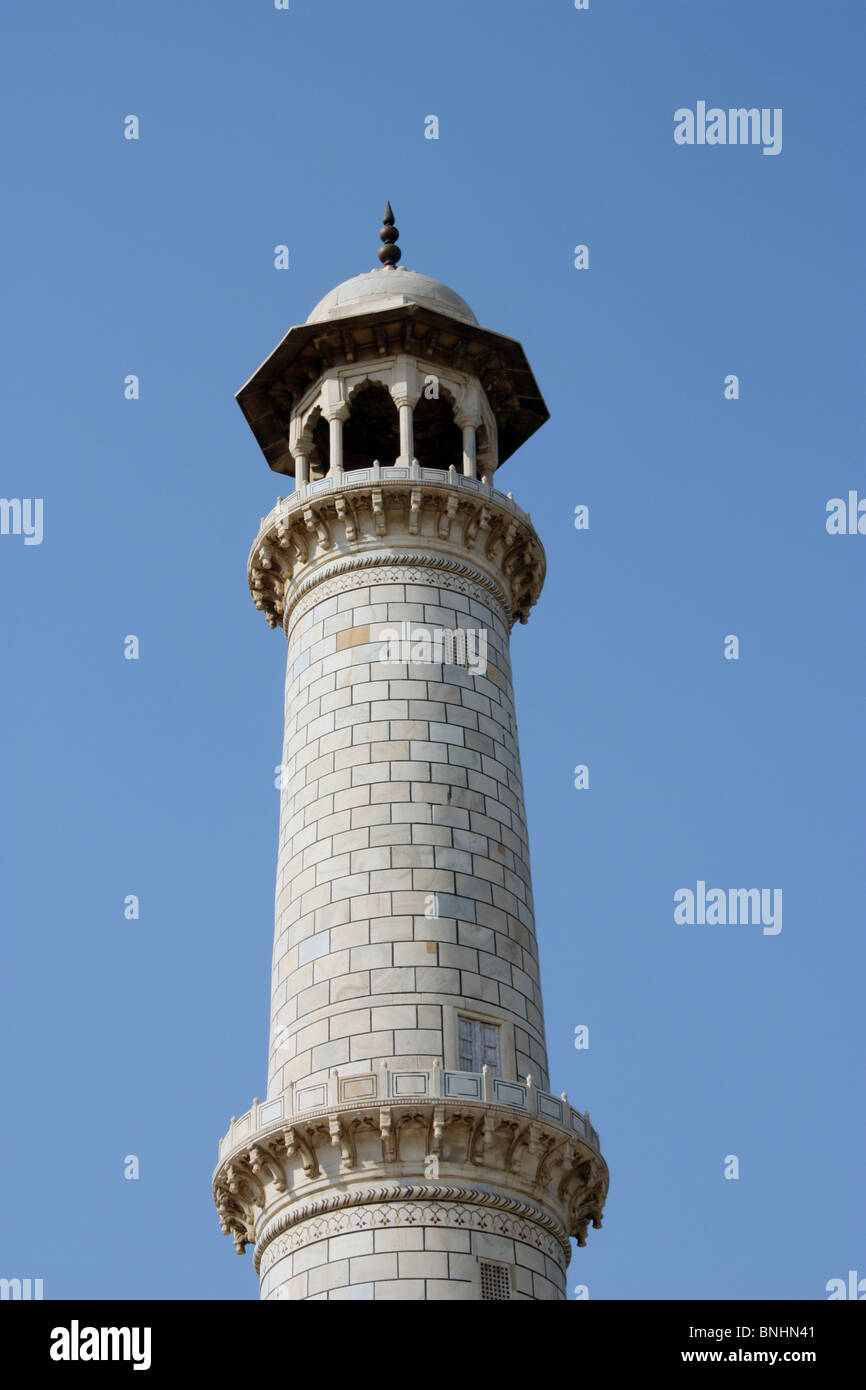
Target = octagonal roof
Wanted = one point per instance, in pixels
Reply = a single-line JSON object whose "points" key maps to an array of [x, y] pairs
{"points": [[389, 311]]}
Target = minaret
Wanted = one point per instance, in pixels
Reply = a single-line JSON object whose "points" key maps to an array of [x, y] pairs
{"points": [[409, 1146]]}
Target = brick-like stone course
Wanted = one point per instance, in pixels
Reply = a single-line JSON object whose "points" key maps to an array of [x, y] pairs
{"points": [[401, 794], [414, 1263]]}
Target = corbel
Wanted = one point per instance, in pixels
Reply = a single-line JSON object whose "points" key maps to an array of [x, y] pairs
{"points": [[314, 522], [386, 1134], [296, 1145], [446, 516], [415, 500], [379, 515]]}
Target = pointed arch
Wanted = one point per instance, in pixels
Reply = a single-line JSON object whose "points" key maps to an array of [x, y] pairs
{"points": [[372, 428], [438, 439]]}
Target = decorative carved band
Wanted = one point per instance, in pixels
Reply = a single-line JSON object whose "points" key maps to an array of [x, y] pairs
{"points": [[437, 515], [340, 1157], [393, 567], [467, 1209]]}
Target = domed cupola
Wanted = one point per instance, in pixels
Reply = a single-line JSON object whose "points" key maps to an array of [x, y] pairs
{"points": [[391, 367]]}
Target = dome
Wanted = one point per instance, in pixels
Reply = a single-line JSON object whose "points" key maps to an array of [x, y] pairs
{"points": [[387, 288], [384, 298]]}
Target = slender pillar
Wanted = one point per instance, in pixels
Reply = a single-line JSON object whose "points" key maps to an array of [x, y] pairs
{"points": [[335, 420], [469, 464], [301, 454], [407, 433], [405, 395], [469, 426]]}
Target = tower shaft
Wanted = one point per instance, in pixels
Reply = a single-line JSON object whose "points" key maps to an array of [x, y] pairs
{"points": [[403, 885], [408, 1146]]}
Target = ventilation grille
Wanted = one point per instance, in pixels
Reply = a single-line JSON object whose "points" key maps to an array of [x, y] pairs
{"points": [[495, 1281]]}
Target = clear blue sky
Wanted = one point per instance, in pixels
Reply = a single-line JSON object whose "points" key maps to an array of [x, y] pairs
{"points": [[707, 517]]}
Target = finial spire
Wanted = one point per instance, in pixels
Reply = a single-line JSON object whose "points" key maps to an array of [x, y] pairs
{"points": [[389, 254]]}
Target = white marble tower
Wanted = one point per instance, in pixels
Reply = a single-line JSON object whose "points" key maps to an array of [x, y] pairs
{"points": [[408, 1146]]}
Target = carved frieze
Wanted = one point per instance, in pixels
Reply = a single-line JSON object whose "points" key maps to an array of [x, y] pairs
{"points": [[440, 522], [431, 1149]]}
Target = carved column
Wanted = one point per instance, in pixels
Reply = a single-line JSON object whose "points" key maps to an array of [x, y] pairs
{"points": [[301, 454], [405, 395], [335, 410], [469, 425]]}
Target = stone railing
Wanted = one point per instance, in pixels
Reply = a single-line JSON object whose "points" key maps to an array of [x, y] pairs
{"points": [[396, 516], [395, 1087], [387, 473]]}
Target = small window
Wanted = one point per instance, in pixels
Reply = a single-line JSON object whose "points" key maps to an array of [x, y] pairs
{"points": [[495, 1281], [478, 1045]]}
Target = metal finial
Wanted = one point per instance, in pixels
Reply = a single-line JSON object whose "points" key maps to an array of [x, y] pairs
{"points": [[389, 254]]}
